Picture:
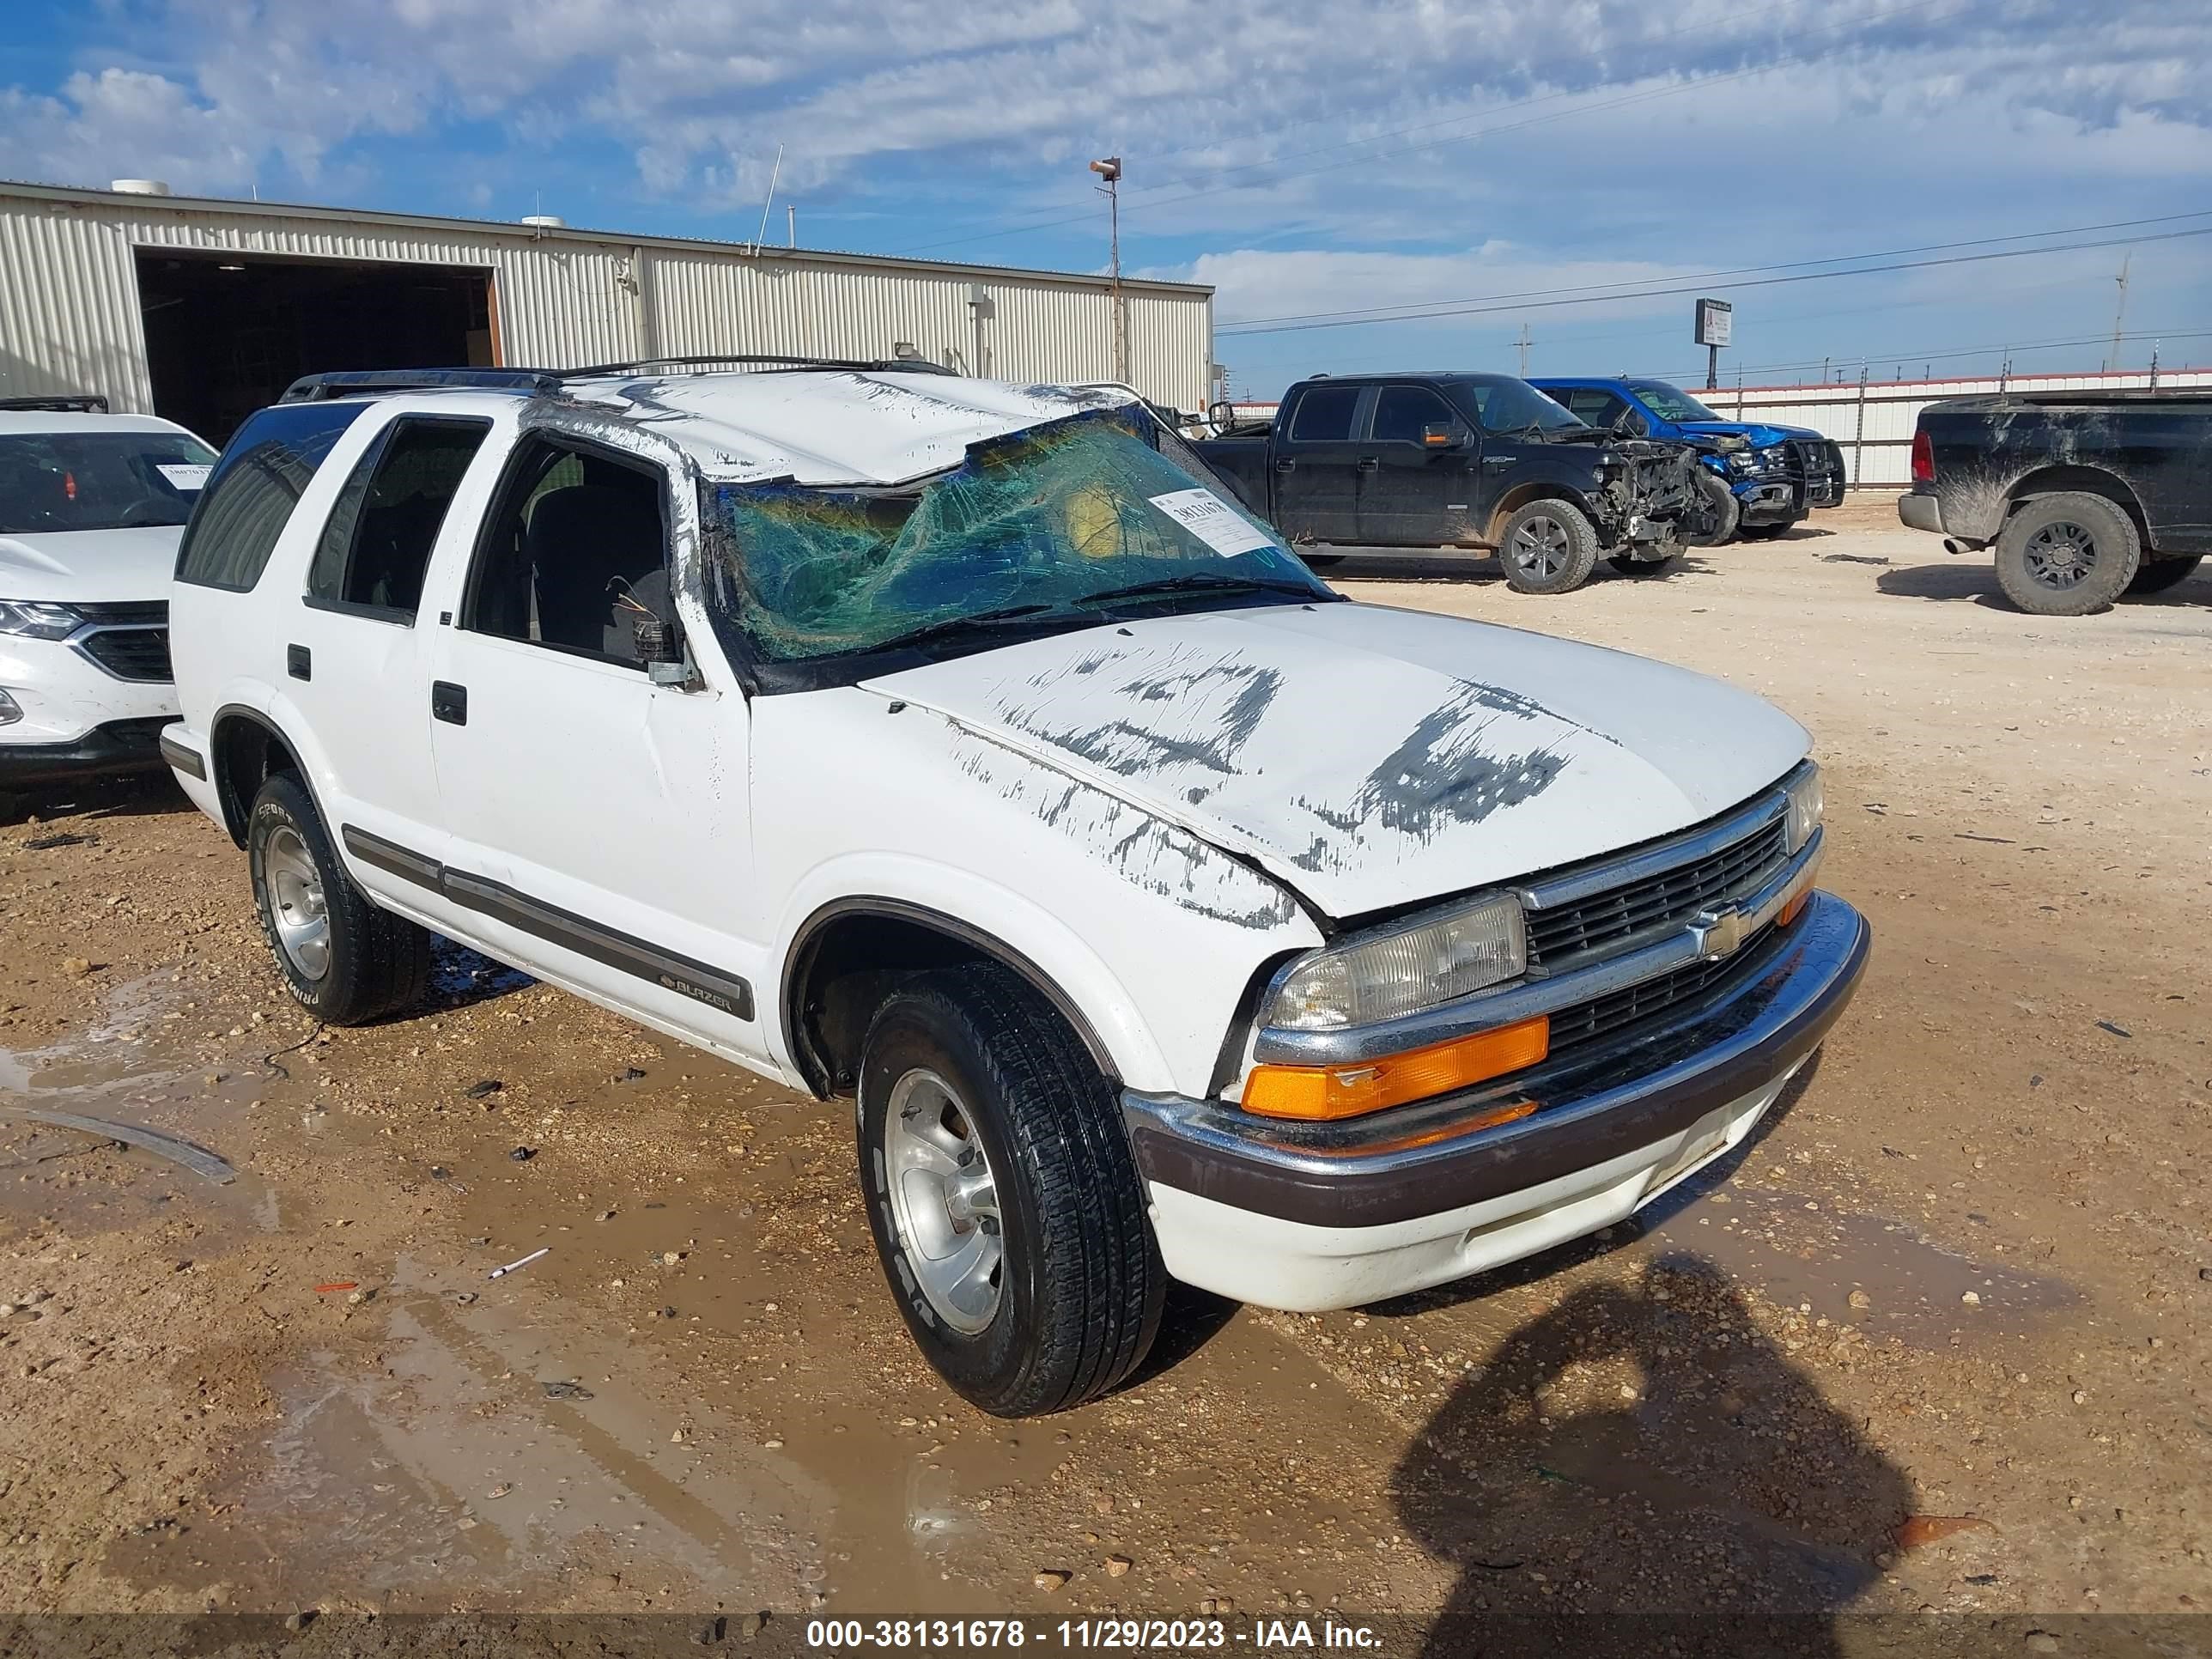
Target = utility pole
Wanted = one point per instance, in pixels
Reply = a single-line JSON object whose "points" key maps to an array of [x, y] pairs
{"points": [[1109, 168], [2120, 311], [1525, 351]]}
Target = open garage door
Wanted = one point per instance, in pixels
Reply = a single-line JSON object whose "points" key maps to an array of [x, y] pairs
{"points": [[227, 332]]}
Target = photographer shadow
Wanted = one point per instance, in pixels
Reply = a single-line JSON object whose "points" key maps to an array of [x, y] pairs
{"points": [[1641, 1464]]}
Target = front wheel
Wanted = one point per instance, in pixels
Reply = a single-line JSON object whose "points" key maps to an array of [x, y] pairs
{"points": [[1001, 1190], [343, 960], [1722, 510], [2157, 576], [1548, 547], [2067, 554]]}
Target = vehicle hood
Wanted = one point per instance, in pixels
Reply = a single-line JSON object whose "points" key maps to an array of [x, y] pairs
{"points": [[91, 565], [1369, 757], [1761, 435]]}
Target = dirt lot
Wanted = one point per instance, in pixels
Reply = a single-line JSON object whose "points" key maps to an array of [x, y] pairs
{"points": [[1938, 1340]]}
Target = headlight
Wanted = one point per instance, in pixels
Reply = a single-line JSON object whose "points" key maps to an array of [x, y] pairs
{"points": [[1804, 806], [1429, 960], [38, 620], [1742, 461]]}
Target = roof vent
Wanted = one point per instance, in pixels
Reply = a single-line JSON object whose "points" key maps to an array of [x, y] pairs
{"points": [[138, 186], [544, 221]]}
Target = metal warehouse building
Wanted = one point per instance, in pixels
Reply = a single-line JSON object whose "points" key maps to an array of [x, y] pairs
{"points": [[204, 310]]}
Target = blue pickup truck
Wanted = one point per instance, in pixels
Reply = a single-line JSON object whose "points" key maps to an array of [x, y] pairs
{"points": [[1762, 478]]}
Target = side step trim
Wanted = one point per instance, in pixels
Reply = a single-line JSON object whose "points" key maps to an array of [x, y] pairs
{"points": [[631, 955]]}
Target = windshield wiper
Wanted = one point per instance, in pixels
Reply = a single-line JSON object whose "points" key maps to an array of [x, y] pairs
{"points": [[946, 626], [1200, 582]]}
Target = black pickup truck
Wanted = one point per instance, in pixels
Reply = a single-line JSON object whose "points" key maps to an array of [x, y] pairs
{"points": [[1463, 460], [2085, 496]]}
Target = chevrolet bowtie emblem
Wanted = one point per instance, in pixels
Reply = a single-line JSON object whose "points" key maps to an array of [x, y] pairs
{"points": [[1720, 933]]}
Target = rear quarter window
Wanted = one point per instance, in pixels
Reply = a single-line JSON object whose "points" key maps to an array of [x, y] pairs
{"points": [[250, 496]]}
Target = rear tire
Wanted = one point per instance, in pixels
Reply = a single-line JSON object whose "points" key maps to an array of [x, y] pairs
{"points": [[2157, 576], [2067, 554], [1005, 1204], [1548, 547], [343, 960]]}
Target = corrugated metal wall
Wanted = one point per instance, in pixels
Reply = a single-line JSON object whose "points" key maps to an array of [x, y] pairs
{"points": [[1875, 423], [70, 317]]}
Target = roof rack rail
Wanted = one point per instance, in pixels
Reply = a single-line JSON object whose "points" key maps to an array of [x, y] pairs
{"points": [[74, 403], [875, 366], [345, 383]]}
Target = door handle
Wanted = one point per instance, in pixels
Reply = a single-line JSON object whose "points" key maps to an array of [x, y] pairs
{"points": [[449, 702], [299, 662], [1285, 466], [1369, 463]]}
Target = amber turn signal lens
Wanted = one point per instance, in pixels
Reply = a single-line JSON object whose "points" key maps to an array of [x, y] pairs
{"points": [[1316, 1092], [1790, 911]]}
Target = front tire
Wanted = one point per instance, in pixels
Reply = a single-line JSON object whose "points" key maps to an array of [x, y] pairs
{"points": [[2067, 554], [1721, 504], [2157, 576], [343, 959], [1548, 547], [1005, 1206]]}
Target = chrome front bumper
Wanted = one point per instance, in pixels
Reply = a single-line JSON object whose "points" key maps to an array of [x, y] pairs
{"points": [[1594, 1102]]}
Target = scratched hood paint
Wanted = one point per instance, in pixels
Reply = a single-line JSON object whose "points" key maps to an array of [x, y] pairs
{"points": [[1370, 757]]}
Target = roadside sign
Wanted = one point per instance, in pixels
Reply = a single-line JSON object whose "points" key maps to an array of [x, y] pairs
{"points": [[1715, 319]]}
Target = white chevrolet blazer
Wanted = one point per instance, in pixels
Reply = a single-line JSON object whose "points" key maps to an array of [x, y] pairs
{"points": [[963, 749]]}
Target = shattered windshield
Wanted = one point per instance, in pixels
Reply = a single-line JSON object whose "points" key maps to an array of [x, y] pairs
{"points": [[1670, 403], [1042, 525]]}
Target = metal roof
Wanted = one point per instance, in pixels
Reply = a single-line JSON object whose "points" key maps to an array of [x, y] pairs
{"points": [[510, 229]]}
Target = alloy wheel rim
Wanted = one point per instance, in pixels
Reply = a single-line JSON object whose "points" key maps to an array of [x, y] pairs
{"points": [[944, 1199], [297, 908], [1539, 547], [2061, 555]]}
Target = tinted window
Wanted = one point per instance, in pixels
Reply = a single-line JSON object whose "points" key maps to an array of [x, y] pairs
{"points": [[63, 481], [1400, 412], [254, 490], [1325, 413], [376, 545], [575, 554], [1504, 405], [1595, 406]]}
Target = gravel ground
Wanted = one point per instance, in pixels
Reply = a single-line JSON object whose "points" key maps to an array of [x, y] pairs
{"points": [[1937, 1340]]}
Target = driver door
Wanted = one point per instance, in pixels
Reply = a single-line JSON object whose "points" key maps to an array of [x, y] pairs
{"points": [[600, 825]]}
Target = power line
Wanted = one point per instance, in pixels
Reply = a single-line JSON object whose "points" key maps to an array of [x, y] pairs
{"points": [[1980, 351], [1692, 84], [1379, 314], [1512, 302]]}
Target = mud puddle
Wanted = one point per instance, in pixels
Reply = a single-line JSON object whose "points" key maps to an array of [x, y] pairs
{"points": [[1800, 1250]]}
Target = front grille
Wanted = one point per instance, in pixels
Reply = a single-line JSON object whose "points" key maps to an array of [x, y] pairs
{"points": [[130, 653], [148, 613], [1565, 935], [1647, 999]]}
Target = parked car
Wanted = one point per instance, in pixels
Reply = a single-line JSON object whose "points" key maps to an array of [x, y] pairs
{"points": [[91, 507], [2084, 495], [1763, 478], [964, 751], [1463, 460]]}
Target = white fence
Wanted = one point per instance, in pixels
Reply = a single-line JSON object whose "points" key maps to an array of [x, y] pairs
{"points": [[1873, 419]]}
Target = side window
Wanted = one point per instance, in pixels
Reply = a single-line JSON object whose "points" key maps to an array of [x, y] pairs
{"points": [[1324, 413], [251, 494], [1400, 412], [375, 548], [576, 554], [1597, 407]]}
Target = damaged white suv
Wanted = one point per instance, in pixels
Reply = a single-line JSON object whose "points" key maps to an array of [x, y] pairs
{"points": [[964, 750]]}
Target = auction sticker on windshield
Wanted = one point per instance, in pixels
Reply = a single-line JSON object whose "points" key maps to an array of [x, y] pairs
{"points": [[184, 478], [1213, 521]]}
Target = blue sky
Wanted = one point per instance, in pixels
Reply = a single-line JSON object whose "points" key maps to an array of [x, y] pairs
{"points": [[1306, 156]]}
